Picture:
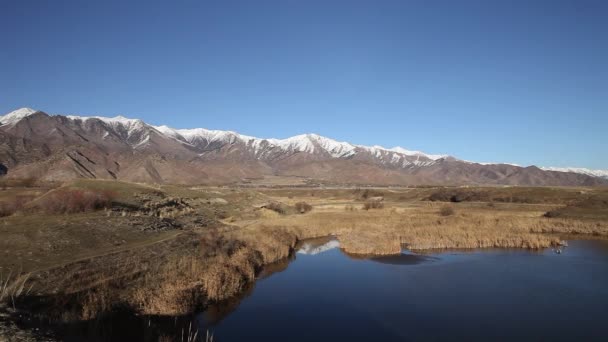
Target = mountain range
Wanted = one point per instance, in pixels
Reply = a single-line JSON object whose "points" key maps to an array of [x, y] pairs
{"points": [[63, 147]]}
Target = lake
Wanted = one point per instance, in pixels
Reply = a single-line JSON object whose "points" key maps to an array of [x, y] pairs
{"points": [[484, 294], [324, 294]]}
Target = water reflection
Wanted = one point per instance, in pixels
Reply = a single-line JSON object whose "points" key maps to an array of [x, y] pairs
{"points": [[321, 293], [323, 244], [403, 259], [317, 245], [490, 294]]}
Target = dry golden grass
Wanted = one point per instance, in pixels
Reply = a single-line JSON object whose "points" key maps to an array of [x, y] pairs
{"points": [[370, 243], [175, 287], [422, 228], [446, 210], [222, 266], [12, 286]]}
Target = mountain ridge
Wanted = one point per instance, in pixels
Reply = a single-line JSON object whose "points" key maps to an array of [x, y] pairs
{"points": [[163, 154]]}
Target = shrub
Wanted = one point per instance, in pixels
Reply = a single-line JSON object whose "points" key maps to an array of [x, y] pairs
{"points": [[66, 201], [446, 211], [303, 207], [459, 195], [368, 193], [373, 205], [552, 213], [13, 205], [277, 207]]}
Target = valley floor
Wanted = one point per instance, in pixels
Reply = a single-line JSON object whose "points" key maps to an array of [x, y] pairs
{"points": [[171, 250]]}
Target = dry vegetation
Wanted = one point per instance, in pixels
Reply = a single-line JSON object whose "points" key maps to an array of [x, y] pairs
{"points": [[28, 182], [69, 201], [367, 232], [373, 205], [505, 195], [227, 236], [368, 193], [594, 208], [303, 207], [14, 205], [12, 286], [276, 207], [446, 210]]}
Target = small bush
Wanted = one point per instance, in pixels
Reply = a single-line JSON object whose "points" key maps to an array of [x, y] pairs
{"points": [[369, 193], [373, 205], [276, 207], [75, 201], [552, 214], [303, 207], [446, 211]]}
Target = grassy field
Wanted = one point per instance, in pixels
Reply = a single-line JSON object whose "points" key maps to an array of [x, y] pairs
{"points": [[174, 249]]}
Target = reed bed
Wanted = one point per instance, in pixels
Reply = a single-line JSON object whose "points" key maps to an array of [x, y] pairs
{"points": [[380, 231], [12, 286]]}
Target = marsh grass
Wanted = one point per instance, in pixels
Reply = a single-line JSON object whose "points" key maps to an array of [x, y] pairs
{"points": [[12, 286], [220, 268], [422, 229]]}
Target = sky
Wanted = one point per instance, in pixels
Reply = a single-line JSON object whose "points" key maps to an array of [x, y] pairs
{"points": [[517, 81]]}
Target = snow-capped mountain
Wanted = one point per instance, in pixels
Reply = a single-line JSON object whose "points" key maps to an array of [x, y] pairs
{"points": [[204, 140], [306, 143], [16, 115], [68, 146], [581, 170]]}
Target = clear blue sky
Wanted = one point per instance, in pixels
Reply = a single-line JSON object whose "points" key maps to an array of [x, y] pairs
{"points": [[513, 81]]}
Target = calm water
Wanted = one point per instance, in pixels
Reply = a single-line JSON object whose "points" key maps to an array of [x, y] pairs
{"points": [[324, 295], [481, 295]]}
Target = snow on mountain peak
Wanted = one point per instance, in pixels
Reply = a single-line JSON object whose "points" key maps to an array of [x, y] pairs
{"points": [[299, 143], [401, 150], [337, 149], [16, 115], [117, 120], [137, 132], [588, 172], [306, 143], [120, 120]]}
